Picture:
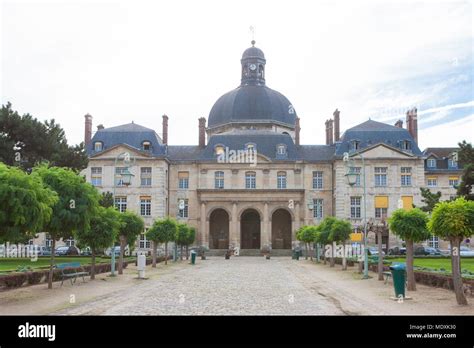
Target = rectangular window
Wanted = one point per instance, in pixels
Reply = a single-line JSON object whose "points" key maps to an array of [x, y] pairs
{"points": [[121, 204], [433, 242], [281, 180], [96, 176], [118, 175], [183, 208], [406, 176], [183, 178], [452, 164], [219, 180], [432, 181], [381, 207], [70, 242], [145, 176], [49, 241], [318, 208], [453, 181], [250, 180], [407, 202], [380, 176], [356, 170], [355, 207], [144, 243], [145, 206], [317, 180], [431, 163]]}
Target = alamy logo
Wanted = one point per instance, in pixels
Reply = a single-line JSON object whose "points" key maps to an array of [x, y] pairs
{"points": [[34, 331]]}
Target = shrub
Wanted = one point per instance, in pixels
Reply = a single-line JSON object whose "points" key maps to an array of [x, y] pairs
{"points": [[14, 280], [35, 277]]}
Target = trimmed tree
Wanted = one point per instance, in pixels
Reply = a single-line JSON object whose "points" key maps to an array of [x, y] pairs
{"points": [[411, 226], [454, 221], [181, 237], [325, 236], [131, 227], [77, 204], [102, 232], [306, 235], [162, 231], [25, 204], [191, 236], [340, 232]]}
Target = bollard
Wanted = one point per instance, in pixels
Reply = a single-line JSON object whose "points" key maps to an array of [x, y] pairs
{"points": [[141, 265], [193, 257]]}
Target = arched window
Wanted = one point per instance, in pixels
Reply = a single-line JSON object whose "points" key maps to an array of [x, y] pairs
{"points": [[281, 180], [281, 149], [146, 146], [219, 180], [250, 180]]}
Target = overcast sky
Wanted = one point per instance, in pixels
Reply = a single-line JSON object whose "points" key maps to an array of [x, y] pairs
{"points": [[137, 60]]}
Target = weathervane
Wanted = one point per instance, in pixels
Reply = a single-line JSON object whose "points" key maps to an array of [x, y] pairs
{"points": [[252, 31]]}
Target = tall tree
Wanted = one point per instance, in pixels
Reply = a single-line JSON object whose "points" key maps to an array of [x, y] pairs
{"points": [[182, 237], [466, 160], [340, 232], [454, 221], [26, 142], [25, 205], [131, 227], [411, 226], [430, 199], [78, 203], [162, 231], [101, 233]]}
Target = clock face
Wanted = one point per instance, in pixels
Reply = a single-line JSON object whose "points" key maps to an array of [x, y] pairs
{"points": [[252, 67]]}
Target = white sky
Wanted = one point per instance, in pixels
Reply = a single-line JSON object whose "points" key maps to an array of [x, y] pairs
{"points": [[136, 60]]}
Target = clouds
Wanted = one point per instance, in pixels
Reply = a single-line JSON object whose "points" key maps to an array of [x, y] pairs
{"points": [[135, 60]]}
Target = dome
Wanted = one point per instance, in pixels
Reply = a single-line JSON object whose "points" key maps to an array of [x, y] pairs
{"points": [[253, 52], [252, 104]]}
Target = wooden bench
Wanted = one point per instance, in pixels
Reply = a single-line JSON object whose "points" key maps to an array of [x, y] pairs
{"points": [[71, 271]]}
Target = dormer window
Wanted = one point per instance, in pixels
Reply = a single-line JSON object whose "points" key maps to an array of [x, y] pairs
{"points": [[406, 145], [281, 149], [452, 164], [431, 163], [146, 146], [98, 146], [219, 149], [250, 147], [355, 145]]}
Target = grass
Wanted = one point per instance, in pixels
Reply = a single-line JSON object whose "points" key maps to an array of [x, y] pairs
{"points": [[11, 264], [436, 264]]}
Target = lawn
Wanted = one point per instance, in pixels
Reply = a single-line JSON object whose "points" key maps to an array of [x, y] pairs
{"points": [[11, 264], [437, 263]]}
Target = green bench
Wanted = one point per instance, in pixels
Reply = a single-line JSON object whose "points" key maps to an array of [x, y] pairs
{"points": [[71, 270]]}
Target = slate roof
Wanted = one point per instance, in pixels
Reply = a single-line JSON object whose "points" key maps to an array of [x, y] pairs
{"points": [[130, 134], [370, 133], [440, 152]]}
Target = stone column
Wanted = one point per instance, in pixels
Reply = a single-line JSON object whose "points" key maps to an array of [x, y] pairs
{"points": [[265, 234], [234, 231], [296, 221], [203, 230]]}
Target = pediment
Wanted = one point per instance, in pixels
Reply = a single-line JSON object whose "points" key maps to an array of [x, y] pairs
{"points": [[385, 151]]}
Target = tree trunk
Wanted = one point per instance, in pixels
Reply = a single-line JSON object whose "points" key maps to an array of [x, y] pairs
{"points": [[361, 259], [93, 264], [324, 254], [51, 266], [306, 247], [344, 261], [153, 262], [456, 271], [410, 273], [166, 253], [380, 265], [181, 251], [122, 251], [333, 260], [317, 252], [187, 255]]}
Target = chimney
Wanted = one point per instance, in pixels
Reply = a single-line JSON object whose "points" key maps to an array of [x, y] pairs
{"points": [[297, 130], [336, 125], [408, 121], [330, 131], [100, 127], [165, 130], [326, 124], [88, 129], [399, 124], [414, 124], [202, 132]]}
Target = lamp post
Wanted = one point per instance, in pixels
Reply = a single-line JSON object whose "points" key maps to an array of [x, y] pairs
{"points": [[352, 179], [125, 179]]}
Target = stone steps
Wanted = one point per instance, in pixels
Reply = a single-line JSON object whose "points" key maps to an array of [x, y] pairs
{"points": [[250, 252]]}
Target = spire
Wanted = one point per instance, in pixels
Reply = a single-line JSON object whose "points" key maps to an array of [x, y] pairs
{"points": [[253, 66]]}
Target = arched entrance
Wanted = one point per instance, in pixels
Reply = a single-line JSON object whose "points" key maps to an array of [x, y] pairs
{"points": [[219, 229], [281, 229], [250, 229]]}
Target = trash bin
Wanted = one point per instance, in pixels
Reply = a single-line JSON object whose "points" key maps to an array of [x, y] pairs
{"points": [[398, 275], [193, 257]]}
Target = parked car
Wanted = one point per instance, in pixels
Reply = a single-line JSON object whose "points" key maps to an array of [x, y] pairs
{"points": [[375, 251], [44, 251], [465, 251], [66, 251], [107, 252], [432, 251], [86, 251], [397, 251]]}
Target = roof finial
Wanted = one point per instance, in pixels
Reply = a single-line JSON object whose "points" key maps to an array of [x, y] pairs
{"points": [[252, 31]]}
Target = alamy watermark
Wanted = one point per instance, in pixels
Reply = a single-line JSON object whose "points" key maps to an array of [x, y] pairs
{"points": [[19, 250], [248, 155]]}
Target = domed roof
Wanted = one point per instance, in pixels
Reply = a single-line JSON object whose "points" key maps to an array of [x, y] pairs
{"points": [[253, 52], [252, 104]]}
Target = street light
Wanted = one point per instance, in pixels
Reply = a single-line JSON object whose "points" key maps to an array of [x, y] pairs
{"points": [[125, 179], [352, 180]]}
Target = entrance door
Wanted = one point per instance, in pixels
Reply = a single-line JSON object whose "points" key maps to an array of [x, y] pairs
{"points": [[281, 229], [219, 229], [250, 230]]}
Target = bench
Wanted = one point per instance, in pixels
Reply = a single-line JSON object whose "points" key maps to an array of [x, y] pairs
{"points": [[71, 271]]}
